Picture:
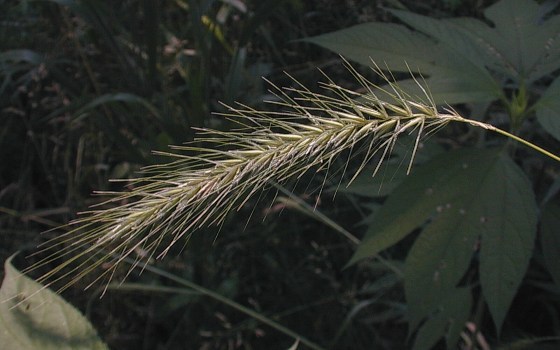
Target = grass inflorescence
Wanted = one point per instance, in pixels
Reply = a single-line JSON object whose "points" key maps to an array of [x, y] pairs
{"points": [[202, 185]]}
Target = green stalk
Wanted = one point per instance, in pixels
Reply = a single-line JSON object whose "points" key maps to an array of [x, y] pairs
{"points": [[527, 143], [456, 117]]}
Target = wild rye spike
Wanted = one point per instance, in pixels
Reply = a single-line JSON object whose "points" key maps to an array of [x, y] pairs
{"points": [[172, 201]]}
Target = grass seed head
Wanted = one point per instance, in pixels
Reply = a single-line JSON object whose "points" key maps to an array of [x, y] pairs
{"points": [[171, 201]]}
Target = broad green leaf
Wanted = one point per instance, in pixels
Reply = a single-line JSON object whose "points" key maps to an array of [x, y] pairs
{"points": [[455, 53], [449, 320], [522, 44], [33, 317], [550, 240], [392, 46], [548, 109], [487, 40], [508, 228]]}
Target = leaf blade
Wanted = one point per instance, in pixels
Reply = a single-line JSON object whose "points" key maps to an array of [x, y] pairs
{"points": [[417, 198], [395, 46], [454, 311], [508, 237], [33, 317]]}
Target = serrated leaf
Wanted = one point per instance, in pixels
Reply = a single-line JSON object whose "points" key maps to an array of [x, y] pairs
{"points": [[466, 78], [442, 253], [550, 240], [548, 109], [549, 60], [455, 54], [486, 38], [449, 320], [33, 317]]}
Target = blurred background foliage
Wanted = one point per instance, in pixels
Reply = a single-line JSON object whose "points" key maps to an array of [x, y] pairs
{"points": [[89, 89]]}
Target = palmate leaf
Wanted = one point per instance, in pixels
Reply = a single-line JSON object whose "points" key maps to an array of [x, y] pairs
{"points": [[460, 197], [33, 317]]}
